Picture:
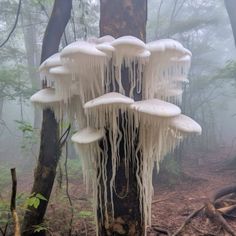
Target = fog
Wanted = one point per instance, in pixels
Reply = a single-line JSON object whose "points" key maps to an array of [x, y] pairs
{"points": [[201, 26]]}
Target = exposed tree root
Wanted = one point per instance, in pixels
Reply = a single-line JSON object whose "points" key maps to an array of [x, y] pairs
{"points": [[222, 203]]}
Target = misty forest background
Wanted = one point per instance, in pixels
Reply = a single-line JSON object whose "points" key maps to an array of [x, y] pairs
{"points": [[210, 98]]}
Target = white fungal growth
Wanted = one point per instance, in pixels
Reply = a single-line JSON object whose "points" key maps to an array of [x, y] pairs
{"points": [[50, 62], [46, 98], [169, 60], [130, 52], [63, 83], [151, 120], [105, 39], [88, 66], [185, 124], [88, 89]]}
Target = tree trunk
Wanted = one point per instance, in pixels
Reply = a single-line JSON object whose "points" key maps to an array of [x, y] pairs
{"points": [[119, 18], [50, 148], [231, 9]]}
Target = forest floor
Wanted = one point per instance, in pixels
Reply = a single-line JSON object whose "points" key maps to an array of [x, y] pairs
{"points": [[203, 175]]}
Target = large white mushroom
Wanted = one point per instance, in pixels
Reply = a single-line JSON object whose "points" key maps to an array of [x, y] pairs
{"points": [[85, 78]]}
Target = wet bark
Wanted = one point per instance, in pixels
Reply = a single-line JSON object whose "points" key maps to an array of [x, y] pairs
{"points": [[119, 18], [49, 148], [231, 9]]}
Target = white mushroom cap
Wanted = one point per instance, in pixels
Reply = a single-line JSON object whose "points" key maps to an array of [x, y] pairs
{"points": [[112, 98], [59, 70], [105, 39], [185, 124], [50, 62], [129, 44], [81, 48], [106, 48], [88, 135], [45, 96], [156, 107], [156, 46]]}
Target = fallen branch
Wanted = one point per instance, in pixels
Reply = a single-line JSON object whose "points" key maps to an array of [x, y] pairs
{"points": [[13, 204], [226, 210], [188, 220], [158, 229], [214, 215]]}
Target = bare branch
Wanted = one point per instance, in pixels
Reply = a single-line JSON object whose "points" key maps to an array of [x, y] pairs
{"points": [[14, 26]]}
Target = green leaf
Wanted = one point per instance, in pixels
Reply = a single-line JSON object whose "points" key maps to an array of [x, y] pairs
{"points": [[41, 197], [36, 203]]}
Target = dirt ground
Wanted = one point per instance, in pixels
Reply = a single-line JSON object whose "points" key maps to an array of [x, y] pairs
{"points": [[204, 174]]}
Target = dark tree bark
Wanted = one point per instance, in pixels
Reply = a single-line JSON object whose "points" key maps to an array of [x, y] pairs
{"points": [[119, 18], [231, 9], [50, 147]]}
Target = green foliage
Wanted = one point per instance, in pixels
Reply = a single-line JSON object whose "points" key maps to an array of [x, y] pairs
{"points": [[4, 212], [34, 200], [13, 84], [228, 72], [4, 176], [30, 135], [41, 227]]}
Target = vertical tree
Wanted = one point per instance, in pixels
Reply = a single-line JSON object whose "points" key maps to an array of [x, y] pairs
{"points": [[119, 18], [231, 8], [50, 147]]}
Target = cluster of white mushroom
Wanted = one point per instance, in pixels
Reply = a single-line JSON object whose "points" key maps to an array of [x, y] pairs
{"points": [[85, 85]]}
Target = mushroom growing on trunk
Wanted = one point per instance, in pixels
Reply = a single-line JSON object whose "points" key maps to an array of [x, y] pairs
{"points": [[87, 82]]}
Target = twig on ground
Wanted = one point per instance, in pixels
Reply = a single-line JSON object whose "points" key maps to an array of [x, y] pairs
{"points": [[158, 229], [13, 204], [187, 221], [203, 232]]}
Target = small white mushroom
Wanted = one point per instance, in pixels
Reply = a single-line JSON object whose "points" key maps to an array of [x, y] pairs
{"points": [[87, 135], [106, 48], [128, 45], [156, 107], [50, 62], [185, 124], [65, 87], [87, 146], [112, 98], [45, 96], [105, 39]]}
